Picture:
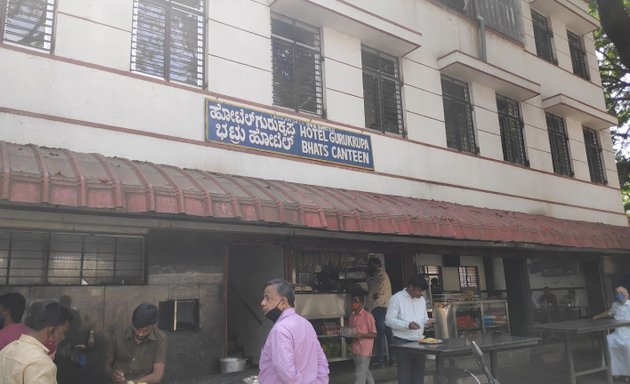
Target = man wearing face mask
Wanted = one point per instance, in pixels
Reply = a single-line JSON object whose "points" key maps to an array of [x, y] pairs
{"points": [[619, 340], [27, 360], [12, 307], [407, 316], [292, 353]]}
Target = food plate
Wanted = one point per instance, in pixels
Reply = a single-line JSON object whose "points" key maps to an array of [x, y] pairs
{"points": [[430, 340]]}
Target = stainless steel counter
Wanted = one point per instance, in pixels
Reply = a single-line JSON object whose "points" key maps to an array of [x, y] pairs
{"points": [[322, 305]]}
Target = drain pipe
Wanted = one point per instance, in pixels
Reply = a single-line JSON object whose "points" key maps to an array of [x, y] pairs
{"points": [[482, 31]]}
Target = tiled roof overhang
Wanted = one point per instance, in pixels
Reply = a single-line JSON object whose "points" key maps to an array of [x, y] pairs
{"points": [[59, 178]]}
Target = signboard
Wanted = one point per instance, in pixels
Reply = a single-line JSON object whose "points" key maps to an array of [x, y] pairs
{"points": [[244, 127]]}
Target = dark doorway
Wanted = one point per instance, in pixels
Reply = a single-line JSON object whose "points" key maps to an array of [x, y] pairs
{"points": [[594, 287], [519, 295], [395, 270]]}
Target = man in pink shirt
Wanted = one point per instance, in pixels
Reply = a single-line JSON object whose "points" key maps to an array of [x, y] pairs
{"points": [[364, 326], [12, 307], [292, 354]]}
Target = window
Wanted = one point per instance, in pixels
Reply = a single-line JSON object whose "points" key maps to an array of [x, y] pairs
{"points": [[28, 22], [34, 258], [511, 126], [381, 91], [168, 40], [578, 55], [559, 143], [468, 277], [297, 70], [460, 5], [503, 16], [543, 37], [458, 115], [594, 156], [179, 315]]}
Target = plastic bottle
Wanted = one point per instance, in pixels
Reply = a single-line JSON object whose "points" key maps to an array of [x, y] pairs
{"points": [[91, 339]]}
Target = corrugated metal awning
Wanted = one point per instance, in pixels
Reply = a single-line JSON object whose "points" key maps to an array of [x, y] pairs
{"points": [[32, 175]]}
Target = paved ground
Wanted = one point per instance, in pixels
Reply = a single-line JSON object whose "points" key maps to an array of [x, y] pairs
{"points": [[540, 365]]}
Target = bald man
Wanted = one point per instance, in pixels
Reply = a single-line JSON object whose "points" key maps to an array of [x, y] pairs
{"points": [[619, 340]]}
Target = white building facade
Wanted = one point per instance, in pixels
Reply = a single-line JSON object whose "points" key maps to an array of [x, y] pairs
{"points": [[487, 104]]}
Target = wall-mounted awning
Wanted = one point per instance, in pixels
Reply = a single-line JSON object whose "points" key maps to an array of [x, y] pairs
{"points": [[59, 178]]}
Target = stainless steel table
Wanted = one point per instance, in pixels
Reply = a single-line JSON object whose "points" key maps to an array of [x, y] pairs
{"points": [[581, 327], [461, 347]]}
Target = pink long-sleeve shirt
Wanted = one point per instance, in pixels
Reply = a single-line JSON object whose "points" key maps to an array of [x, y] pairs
{"points": [[292, 354]]}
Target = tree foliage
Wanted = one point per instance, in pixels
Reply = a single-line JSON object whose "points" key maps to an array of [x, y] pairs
{"points": [[612, 42]]}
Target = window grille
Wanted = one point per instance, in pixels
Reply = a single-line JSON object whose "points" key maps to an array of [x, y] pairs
{"points": [[543, 37], [504, 16], [28, 22], [458, 115], [297, 68], [578, 55], [431, 272], [511, 124], [381, 91], [559, 143], [594, 156], [168, 40], [468, 277], [38, 258]]}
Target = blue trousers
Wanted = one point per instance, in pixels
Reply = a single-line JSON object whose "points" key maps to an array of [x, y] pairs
{"points": [[383, 333]]}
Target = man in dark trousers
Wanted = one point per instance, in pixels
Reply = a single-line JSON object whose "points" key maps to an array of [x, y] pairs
{"points": [[380, 291], [407, 316]]}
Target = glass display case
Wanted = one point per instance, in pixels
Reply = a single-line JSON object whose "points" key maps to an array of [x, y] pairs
{"points": [[467, 318], [328, 313], [329, 334]]}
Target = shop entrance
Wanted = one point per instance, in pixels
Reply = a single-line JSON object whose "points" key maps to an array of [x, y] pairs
{"points": [[248, 269], [518, 292], [394, 269]]}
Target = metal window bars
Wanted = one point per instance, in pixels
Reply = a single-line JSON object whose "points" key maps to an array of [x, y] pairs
{"points": [[168, 40], [382, 91], [558, 140], [543, 37], [28, 22], [511, 125], [296, 63], [594, 156], [458, 119]]}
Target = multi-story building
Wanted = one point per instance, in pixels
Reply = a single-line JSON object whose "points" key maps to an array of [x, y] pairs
{"points": [[186, 151]]}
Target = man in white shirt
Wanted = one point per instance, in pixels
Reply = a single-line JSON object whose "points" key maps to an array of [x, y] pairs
{"points": [[407, 317], [619, 341]]}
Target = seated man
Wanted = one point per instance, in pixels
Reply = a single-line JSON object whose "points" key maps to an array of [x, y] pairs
{"points": [[548, 299], [12, 307], [138, 354]]}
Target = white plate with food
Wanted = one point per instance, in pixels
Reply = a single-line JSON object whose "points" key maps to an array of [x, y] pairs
{"points": [[430, 340]]}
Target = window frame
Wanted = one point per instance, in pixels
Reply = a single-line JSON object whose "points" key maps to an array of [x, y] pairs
{"points": [[39, 247], [578, 55], [317, 86], [468, 271], [167, 50], [559, 142], [594, 157], [507, 119], [543, 34], [452, 128], [49, 22], [381, 78]]}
